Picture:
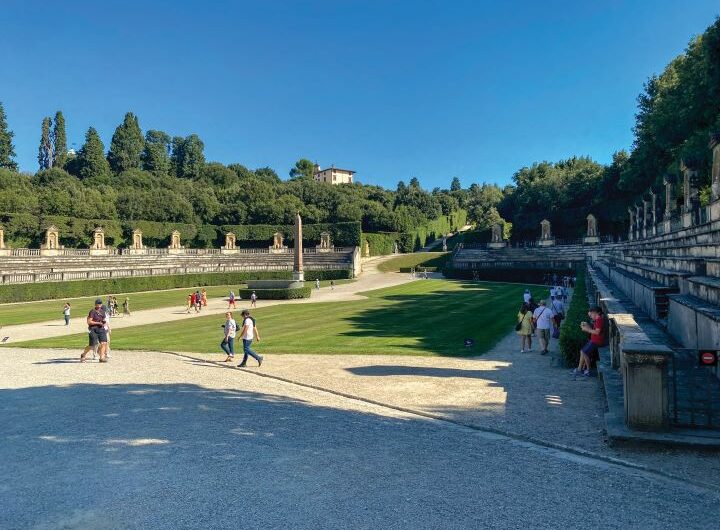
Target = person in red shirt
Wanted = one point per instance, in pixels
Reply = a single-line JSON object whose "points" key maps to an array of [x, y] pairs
{"points": [[193, 302], [590, 351]]}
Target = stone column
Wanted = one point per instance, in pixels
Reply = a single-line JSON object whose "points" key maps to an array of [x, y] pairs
{"points": [[690, 192], [646, 218], [644, 371], [631, 227], [638, 222], [298, 274], [715, 203], [668, 180]]}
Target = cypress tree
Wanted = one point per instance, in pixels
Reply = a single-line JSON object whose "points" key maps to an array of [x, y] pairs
{"points": [[60, 141], [7, 150], [91, 158], [45, 151], [193, 158], [127, 145]]}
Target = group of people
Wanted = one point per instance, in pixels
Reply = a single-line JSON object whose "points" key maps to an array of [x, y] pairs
{"points": [[542, 319], [248, 333], [317, 284], [112, 306], [556, 279], [196, 300]]}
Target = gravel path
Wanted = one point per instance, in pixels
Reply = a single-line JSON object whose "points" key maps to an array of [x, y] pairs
{"points": [[369, 280], [154, 440]]}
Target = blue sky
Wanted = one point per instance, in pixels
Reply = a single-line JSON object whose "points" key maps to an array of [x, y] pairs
{"points": [[391, 89]]}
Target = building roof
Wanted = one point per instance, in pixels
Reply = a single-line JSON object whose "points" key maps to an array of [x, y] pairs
{"points": [[335, 169]]}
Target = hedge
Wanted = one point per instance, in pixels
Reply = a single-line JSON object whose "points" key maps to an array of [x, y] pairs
{"points": [[429, 232], [330, 274], [508, 275], [277, 294], [572, 338], [381, 244], [25, 292]]}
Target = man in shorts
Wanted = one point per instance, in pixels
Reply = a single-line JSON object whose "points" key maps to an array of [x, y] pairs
{"points": [[543, 319], [96, 321], [590, 352]]}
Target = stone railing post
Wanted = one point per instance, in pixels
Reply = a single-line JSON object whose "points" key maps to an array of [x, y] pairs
{"points": [[646, 218], [631, 227], [690, 192], [653, 212], [645, 376], [715, 202], [638, 222]]}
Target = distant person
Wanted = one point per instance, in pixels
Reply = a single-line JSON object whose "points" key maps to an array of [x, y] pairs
{"points": [[542, 318], [192, 302], [188, 303], [96, 320], [228, 342], [558, 309], [248, 333], [332, 285], [126, 307], [198, 301], [253, 299], [66, 313], [524, 327], [203, 295], [231, 300], [317, 283], [590, 352], [527, 296]]}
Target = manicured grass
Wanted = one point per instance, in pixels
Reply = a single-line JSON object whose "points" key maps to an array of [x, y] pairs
{"points": [[417, 259], [425, 317], [43, 311]]}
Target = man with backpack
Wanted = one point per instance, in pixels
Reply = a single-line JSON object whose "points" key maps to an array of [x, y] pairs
{"points": [[248, 333]]}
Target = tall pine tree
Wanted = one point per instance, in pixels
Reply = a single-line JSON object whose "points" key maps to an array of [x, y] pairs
{"points": [[91, 162], [127, 145], [156, 156], [45, 151], [7, 150], [187, 156], [59, 141]]}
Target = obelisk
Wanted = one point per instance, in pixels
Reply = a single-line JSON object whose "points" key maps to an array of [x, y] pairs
{"points": [[298, 274]]}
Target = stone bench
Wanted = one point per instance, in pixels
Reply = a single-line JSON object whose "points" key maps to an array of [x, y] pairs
{"points": [[640, 355]]}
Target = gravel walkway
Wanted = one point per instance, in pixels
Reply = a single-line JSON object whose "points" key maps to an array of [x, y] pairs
{"points": [[154, 440]]}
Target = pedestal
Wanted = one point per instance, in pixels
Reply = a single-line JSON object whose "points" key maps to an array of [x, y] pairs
{"points": [[644, 370], [224, 250], [591, 240], [4, 251], [281, 250], [495, 245], [176, 251], [136, 251], [99, 252], [687, 220], [298, 276], [714, 210], [49, 252], [323, 249], [667, 225], [546, 242]]}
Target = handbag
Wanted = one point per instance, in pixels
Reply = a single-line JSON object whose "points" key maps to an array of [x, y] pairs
{"points": [[556, 333], [518, 326]]}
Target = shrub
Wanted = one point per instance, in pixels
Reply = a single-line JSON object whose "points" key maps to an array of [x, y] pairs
{"points": [[572, 337], [381, 244], [331, 274], [278, 294]]}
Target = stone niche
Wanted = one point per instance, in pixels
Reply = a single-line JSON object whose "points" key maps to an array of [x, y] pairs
{"points": [[230, 246], [278, 245], [546, 237], [52, 246], [175, 246], [4, 251], [325, 243], [591, 237], [137, 246], [98, 247]]}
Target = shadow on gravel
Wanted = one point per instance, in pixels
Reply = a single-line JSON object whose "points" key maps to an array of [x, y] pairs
{"points": [[421, 371]]}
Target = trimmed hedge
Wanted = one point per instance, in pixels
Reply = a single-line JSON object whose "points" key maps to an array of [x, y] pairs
{"points": [[508, 275], [422, 235], [277, 294], [419, 268], [26, 292], [572, 338], [381, 244], [332, 274]]}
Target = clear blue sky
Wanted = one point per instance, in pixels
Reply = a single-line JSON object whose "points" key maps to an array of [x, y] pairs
{"points": [[391, 89]]}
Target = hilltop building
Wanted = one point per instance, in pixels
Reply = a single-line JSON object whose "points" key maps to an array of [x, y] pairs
{"points": [[333, 175]]}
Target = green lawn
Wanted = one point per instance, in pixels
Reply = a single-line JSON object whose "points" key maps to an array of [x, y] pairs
{"points": [[425, 317], [417, 259], [42, 311]]}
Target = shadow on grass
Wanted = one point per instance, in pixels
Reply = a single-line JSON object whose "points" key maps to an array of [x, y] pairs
{"points": [[441, 321]]}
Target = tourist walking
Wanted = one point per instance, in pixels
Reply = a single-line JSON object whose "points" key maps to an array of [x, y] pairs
{"points": [[198, 301], [332, 285], [542, 318], [203, 294], [192, 302], [66, 313], [126, 307], [248, 333], [527, 296], [228, 342], [253, 299], [524, 327], [558, 309], [188, 303], [96, 320], [231, 300], [317, 283], [590, 351]]}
